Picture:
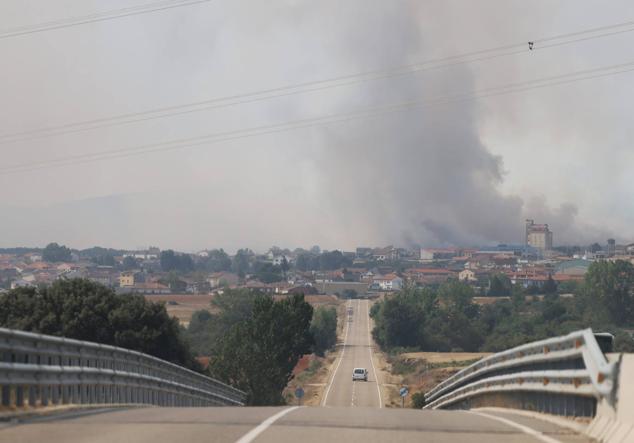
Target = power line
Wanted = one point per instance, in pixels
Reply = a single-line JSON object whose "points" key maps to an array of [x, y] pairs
{"points": [[98, 17], [321, 121], [318, 85]]}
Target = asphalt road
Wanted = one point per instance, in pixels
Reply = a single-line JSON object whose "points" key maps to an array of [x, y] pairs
{"points": [[353, 413], [356, 352], [306, 425]]}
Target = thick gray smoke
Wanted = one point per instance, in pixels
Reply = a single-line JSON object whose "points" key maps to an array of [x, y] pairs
{"points": [[422, 176], [419, 176]]}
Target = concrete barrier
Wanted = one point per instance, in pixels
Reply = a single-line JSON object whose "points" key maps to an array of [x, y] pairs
{"points": [[614, 421]]}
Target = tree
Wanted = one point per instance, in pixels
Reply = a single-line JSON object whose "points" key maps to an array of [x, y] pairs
{"points": [[56, 253], [550, 287], [552, 308], [333, 260], [457, 317], [216, 260], [612, 283], [170, 261], [258, 355], [174, 282], [418, 400], [302, 262], [130, 263], [230, 307], [267, 272], [499, 286], [324, 329], [241, 262], [103, 260], [399, 320], [198, 332], [85, 310], [285, 266]]}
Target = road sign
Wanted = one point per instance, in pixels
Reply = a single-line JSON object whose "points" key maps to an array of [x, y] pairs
{"points": [[403, 393], [299, 392]]}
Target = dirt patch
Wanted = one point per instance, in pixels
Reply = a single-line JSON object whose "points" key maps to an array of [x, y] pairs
{"points": [[445, 357], [312, 373], [322, 300], [420, 371], [183, 306]]}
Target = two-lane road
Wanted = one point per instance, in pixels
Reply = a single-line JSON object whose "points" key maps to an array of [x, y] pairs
{"points": [[282, 425], [356, 352], [353, 413]]}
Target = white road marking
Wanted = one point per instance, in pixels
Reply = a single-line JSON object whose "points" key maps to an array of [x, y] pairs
{"points": [[354, 385], [253, 433], [538, 435], [343, 350], [376, 378]]}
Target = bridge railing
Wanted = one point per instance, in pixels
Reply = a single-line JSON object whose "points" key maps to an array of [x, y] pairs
{"points": [[41, 370], [563, 375]]}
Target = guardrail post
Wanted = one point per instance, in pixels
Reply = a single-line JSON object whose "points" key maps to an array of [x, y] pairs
{"points": [[19, 396], [44, 395], [6, 395], [91, 394], [55, 394], [83, 394], [65, 394], [32, 396]]}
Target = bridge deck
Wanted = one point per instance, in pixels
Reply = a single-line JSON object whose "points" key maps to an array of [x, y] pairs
{"points": [[192, 425]]}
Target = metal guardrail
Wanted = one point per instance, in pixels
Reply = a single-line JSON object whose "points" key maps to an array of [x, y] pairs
{"points": [[41, 370], [554, 375]]}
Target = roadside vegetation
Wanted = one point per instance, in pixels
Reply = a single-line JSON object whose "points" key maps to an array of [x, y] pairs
{"points": [[258, 354], [445, 319], [255, 342], [84, 310], [324, 329]]}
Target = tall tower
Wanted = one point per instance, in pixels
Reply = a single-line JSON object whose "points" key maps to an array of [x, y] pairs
{"points": [[529, 225], [611, 247], [538, 236]]}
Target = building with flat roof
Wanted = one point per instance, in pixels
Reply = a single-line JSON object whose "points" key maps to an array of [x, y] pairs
{"points": [[538, 236]]}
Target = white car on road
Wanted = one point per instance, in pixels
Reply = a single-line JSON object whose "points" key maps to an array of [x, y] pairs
{"points": [[360, 374]]}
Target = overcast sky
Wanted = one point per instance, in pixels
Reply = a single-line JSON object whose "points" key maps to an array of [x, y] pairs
{"points": [[465, 173]]}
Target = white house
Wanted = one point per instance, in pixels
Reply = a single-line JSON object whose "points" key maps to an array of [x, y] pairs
{"points": [[390, 282]]}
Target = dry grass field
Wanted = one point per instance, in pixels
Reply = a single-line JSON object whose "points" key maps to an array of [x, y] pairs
{"points": [[182, 306], [420, 371], [445, 357]]}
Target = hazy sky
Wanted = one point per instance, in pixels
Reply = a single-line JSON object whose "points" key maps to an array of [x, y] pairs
{"points": [[467, 172]]}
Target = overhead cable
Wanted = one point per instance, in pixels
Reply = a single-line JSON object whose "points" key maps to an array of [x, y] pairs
{"points": [[321, 121], [98, 17], [317, 85]]}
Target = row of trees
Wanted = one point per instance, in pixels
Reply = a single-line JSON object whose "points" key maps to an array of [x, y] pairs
{"points": [[85, 310], [242, 263], [254, 341], [446, 319], [325, 261]]}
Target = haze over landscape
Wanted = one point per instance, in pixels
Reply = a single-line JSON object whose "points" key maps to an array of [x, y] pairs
{"points": [[294, 220], [461, 173]]}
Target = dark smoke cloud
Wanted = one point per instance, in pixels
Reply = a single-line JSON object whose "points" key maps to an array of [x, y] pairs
{"points": [[422, 176]]}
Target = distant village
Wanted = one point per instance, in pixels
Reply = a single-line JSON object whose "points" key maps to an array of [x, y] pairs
{"points": [[364, 272]]}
